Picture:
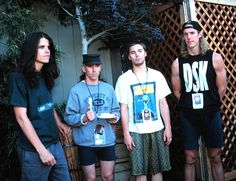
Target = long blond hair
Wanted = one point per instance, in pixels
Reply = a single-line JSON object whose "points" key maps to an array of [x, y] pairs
{"points": [[203, 47]]}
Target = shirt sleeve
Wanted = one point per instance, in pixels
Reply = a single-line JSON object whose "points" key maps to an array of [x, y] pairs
{"points": [[17, 90], [115, 105], [121, 91], [163, 88], [72, 112]]}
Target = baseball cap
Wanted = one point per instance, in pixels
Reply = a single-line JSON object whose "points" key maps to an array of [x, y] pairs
{"points": [[191, 24], [91, 59]]}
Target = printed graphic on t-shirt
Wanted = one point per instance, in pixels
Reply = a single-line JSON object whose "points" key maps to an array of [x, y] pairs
{"points": [[195, 76], [99, 102], [45, 107], [144, 102]]}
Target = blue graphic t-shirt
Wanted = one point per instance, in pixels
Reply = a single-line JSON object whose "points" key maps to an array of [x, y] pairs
{"points": [[142, 93]]}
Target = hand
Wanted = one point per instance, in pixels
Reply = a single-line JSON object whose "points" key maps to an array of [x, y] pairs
{"points": [[167, 136], [64, 129], [47, 158], [113, 120], [129, 142], [90, 115]]}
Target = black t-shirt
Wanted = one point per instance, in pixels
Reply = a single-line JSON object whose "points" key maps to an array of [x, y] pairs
{"points": [[198, 75], [40, 109]]}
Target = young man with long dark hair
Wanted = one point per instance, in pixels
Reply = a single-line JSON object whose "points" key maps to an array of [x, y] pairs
{"points": [[30, 85]]}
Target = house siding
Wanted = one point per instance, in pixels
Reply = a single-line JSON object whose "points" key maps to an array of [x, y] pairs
{"points": [[69, 40]]}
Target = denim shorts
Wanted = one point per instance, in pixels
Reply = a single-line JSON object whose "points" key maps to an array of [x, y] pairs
{"points": [[89, 155], [208, 125], [32, 169]]}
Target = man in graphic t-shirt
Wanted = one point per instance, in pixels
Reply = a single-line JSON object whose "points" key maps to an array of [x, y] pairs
{"points": [[199, 83], [141, 92]]}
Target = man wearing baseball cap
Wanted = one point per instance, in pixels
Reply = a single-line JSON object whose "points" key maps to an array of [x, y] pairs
{"points": [[191, 24], [199, 83], [93, 133]]}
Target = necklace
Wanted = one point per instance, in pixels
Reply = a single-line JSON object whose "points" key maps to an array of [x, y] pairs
{"points": [[96, 110], [144, 90]]}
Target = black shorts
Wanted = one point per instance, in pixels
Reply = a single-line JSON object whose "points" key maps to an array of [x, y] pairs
{"points": [[208, 125], [89, 155]]}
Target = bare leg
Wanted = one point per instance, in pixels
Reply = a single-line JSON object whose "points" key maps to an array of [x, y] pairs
{"points": [[141, 178], [216, 164], [190, 162], [89, 172], [157, 177], [107, 170]]}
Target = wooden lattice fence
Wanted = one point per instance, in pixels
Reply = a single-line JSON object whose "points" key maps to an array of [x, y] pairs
{"points": [[219, 25]]}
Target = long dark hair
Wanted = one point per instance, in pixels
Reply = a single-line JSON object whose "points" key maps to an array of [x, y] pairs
{"points": [[26, 62]]}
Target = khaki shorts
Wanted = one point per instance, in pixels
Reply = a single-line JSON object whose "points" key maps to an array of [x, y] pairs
{"points": [[150, 154]]}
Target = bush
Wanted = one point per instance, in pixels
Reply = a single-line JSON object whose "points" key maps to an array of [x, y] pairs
{"points": [[9, 167]]}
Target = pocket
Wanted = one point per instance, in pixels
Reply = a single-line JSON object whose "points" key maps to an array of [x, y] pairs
{"points": [[30, 158]]}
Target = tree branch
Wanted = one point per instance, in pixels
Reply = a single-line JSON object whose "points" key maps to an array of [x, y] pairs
{"points": [[82, 31], [67, 12], [93, 38]]}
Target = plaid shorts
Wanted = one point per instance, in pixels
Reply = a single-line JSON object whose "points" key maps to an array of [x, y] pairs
{"points": [[150, 154]]}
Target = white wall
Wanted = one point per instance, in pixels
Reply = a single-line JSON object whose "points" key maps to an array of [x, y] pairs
{"points": [[69, 40], [99, 48]]}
